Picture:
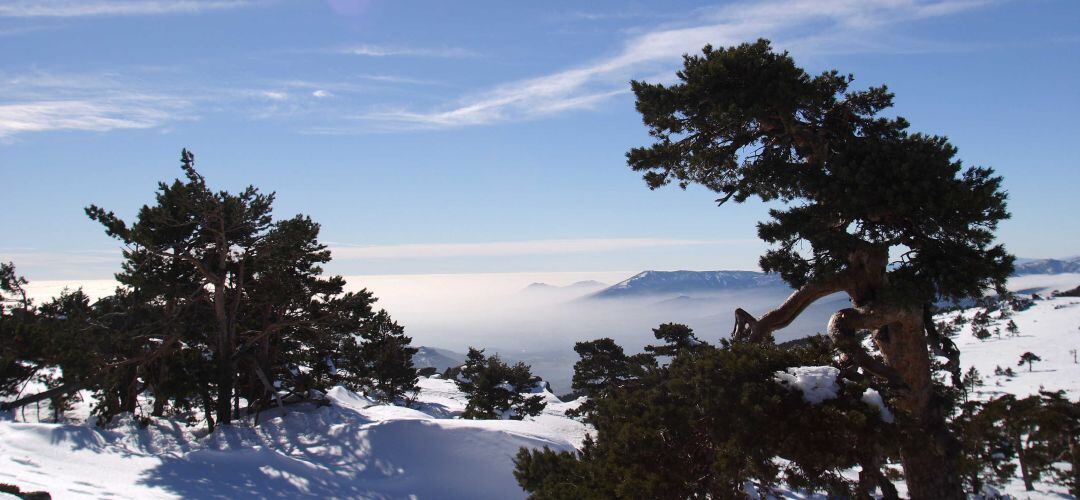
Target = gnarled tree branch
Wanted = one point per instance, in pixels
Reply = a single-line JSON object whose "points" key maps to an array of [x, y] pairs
{"points": [[755, 330], [843, 330]]}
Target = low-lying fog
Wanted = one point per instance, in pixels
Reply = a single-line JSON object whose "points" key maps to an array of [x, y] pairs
{"points": [[539, 325]]}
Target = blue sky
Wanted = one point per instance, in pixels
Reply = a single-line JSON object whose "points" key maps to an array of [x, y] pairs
{"points": [[477, 137]]}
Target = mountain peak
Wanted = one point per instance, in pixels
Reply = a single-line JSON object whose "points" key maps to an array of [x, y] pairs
{"points": [[653, 282]]}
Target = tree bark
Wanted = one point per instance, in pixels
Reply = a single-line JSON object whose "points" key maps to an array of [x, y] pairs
{"points": [[226, 366], [208, 408], [927, 450], [1021, 457], [129, 389], [1074, 460]]}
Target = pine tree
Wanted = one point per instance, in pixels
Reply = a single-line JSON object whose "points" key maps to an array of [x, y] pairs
{"points": [[219, 303], [709, 421], [604, 367], [747, 122], [1030, 358], [1033, 441], [677, 338], [386, 355], [495, 389], [987, 452], [20, 348], [1061, 426], [971, 380]]}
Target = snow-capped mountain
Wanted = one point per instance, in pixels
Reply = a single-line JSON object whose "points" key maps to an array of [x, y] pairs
{"points": [[688, 282], [1048, 266]]}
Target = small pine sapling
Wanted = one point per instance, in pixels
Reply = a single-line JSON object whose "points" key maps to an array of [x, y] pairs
{"points": [[972, 379], [1030, 358]]}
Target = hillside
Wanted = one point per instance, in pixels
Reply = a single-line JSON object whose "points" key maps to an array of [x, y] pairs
{"points": [[355, 447], [1050, 329]]}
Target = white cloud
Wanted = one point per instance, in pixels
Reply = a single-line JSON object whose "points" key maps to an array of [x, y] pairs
{"points": [[398, 79], [82, 8], [504, 248], [647, 53], [275, 95], [73, 115], [321, 94], [370, 50], [41, 102]]}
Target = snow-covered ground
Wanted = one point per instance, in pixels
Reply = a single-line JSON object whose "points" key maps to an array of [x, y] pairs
{"points": [[1050, 330], [356, 448]]}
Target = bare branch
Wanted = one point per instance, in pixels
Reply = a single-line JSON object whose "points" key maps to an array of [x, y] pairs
{"points": [[759, 330]]}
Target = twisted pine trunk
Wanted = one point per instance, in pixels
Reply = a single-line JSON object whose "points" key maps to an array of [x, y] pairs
{"points": [[927, 450]]}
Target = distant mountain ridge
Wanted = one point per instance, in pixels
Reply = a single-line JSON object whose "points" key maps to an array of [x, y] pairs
{"points": [[440, 359], [683, 282], [675, 283], [579, 285], [1048, 266]]}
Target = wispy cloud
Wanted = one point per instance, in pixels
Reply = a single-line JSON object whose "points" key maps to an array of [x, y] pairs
{"points": [[504, 248], [370, 50], [75, 115], [645, 53], [275, 95], [82, 8], [42, 102], [604, 16]]}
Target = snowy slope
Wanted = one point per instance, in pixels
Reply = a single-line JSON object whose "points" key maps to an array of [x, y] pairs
{"points": [[360, 449], [353, 448], [1050, 329]]}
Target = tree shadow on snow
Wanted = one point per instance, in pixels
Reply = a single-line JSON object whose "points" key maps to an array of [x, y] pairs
{"points": [[301, 457]]}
